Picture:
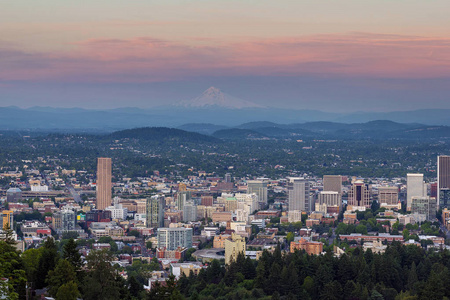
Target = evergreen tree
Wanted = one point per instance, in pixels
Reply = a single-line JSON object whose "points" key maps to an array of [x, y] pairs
{"points": [[284, 287], [261, 276], [100, 280], [349, 287], [424, 269], [169, 291], [123, 287], [308, 285], [214, 272], [368, 255], [134, 286], [273, 282], [389, 293], [275, 296], [47, 261], [277, 258], [184, 282], [324, 275], [375, 295], [71, 254], [405, 296], [68, 291], [31, 259], [359, 292], [412, 278], [248, 268], [12, 268], [331, 291], [345, 269], [64, 272], [293, 281]]}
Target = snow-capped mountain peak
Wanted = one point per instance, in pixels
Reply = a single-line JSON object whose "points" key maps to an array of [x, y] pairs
{"points": [[213, 97]]}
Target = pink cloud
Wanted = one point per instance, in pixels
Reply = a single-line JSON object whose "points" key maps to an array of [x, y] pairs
{"points": [[145, 59]]}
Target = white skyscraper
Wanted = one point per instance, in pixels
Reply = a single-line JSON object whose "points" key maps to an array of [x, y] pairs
{"points": [[189, 212], [299, 194], [259, 187], [415, 187], [249, 199], [330, 198]]}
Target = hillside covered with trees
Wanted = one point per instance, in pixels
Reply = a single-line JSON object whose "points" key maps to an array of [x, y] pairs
{"points": [[402, 272]]}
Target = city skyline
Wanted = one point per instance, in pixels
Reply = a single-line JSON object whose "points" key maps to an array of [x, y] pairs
{"points": [[333, 56]]}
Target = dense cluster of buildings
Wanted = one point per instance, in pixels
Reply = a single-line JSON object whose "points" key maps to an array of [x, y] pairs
{"points": [[228, 214]]}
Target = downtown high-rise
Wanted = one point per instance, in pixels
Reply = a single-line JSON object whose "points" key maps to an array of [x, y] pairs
{"points": [[443, 182], [104, 193], [332, 183], [359, 194], [259, 187], [155, 211], [415, 187], [299, 195]]}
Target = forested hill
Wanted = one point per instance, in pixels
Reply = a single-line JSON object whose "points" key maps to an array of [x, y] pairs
{"points": [[402, 272], [159, 134], [235, 133], [375, 130]]}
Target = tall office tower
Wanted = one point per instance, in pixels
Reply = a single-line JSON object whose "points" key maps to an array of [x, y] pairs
{"points": [[415, 187], [259, 187], [443, 182], [332, 183], [7, 219], [228, 177], [189, 212], [207, 200], [183, 195], [155, 211], [172, 238], [182, 198], [298, 194], [424, 205], [359, 194], [330, 198], [104, 194], [388, 195]]}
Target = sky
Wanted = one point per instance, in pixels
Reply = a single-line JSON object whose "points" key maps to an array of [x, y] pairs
{"points": [[346, 55]]}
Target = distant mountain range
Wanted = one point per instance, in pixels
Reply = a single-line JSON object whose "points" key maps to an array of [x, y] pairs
{"points": [[374, 130], [211, 107], [380, 129], [78, 119]]}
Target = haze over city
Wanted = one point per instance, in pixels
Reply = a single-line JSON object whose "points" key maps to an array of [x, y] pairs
{"points": [[338, 56]]}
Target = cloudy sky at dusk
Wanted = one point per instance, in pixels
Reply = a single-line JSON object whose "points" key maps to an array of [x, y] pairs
{"points": [[347, 55]]}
